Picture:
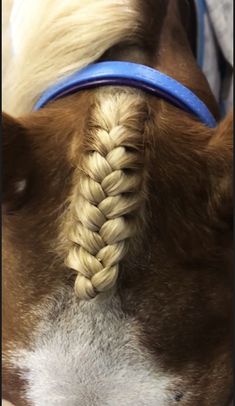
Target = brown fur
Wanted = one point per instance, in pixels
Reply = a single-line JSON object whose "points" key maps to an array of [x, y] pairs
{"points": [[182, 307]]}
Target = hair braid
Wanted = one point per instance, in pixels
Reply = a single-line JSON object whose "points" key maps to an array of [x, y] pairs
{"points": [[108, 192]]}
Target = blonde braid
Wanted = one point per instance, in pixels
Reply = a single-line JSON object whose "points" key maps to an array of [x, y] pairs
{"points": [[108, 193]]}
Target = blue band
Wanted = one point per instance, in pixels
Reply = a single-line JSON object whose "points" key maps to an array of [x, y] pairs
{"points": [[132, 75], [201, 12]]}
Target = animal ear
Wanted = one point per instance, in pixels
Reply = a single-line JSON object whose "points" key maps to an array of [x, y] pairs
{"points": [[220, 160], [16, 162]]}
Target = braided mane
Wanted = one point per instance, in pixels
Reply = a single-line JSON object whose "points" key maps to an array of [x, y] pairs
{"points": [[108, 193]]}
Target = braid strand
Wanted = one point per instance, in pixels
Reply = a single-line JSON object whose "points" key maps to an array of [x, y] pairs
{"points": [[107, 196]]}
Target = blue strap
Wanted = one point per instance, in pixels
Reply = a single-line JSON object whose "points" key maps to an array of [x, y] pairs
{"points": [[132, 75], [201, 12]]}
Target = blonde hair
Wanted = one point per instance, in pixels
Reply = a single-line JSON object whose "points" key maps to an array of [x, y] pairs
{"points": [[52, 39], [108, 195]]}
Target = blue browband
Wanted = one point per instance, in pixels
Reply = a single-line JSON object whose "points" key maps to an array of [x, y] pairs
{"points": [[132, 75]]}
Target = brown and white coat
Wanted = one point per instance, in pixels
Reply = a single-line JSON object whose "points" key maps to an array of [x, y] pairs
{"points": [[161, 334]]}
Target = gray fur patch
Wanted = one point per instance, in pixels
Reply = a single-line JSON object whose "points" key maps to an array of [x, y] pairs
{"points": [[88, 354]]}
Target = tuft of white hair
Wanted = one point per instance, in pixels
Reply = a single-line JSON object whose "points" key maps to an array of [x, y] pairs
{"points": [[51, 39], [88, 354]]}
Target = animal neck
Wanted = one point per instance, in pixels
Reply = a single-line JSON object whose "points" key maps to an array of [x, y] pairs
{"points": [[175, 54]]}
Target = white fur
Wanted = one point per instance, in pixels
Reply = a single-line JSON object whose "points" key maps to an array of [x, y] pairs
{"points": [[53, 38], [89, 355], [6, 47]]}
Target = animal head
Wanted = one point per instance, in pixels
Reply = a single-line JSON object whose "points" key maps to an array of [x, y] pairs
{"points": [[113, 191]]}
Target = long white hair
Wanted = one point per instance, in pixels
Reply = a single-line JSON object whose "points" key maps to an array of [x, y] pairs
{"points": [[50, 39]]}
